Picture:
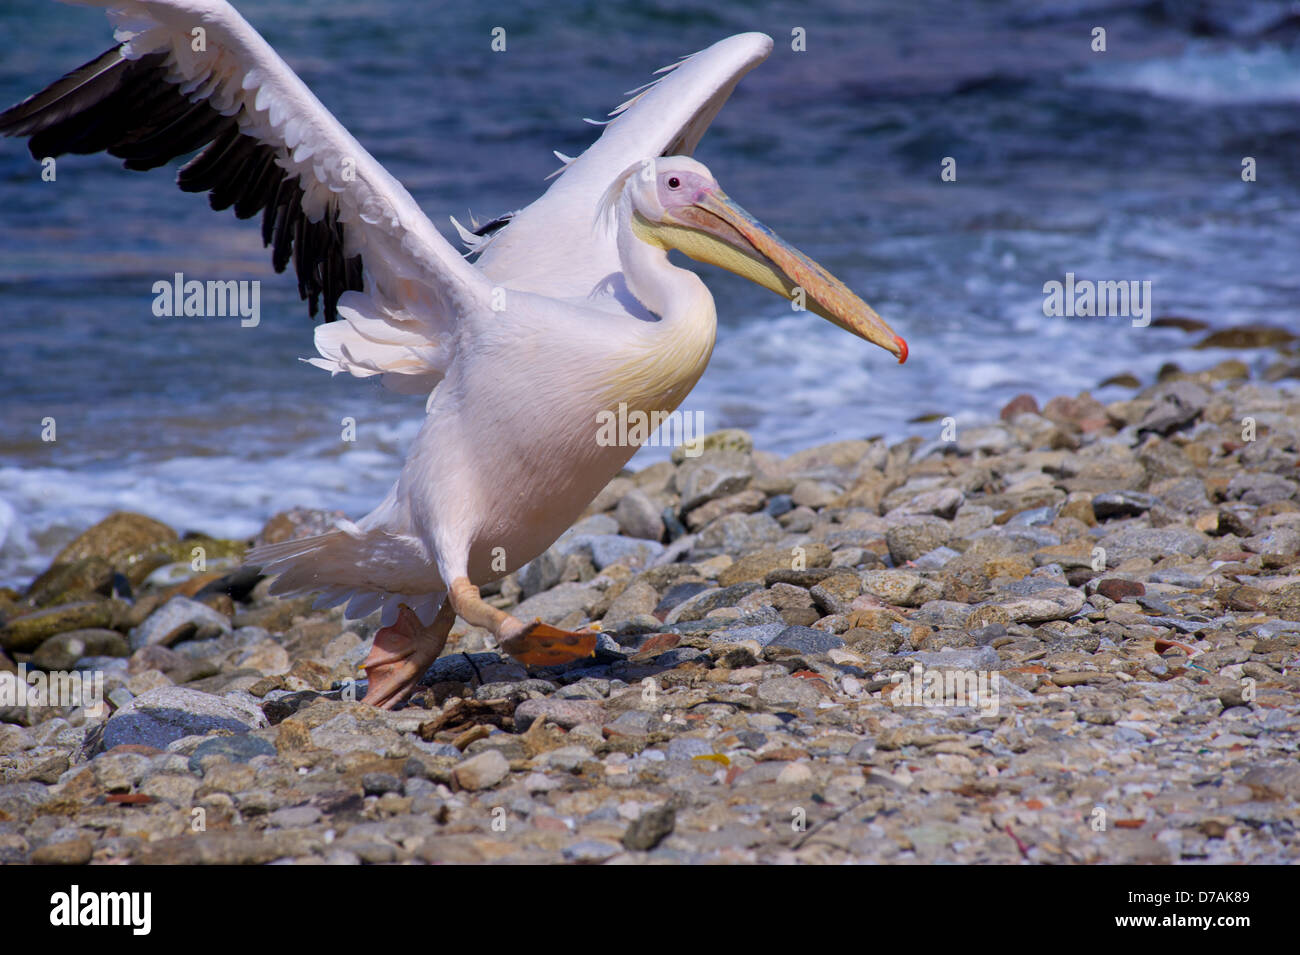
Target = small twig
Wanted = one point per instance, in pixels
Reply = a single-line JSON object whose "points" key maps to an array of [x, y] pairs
{"points": [[474, 667]]}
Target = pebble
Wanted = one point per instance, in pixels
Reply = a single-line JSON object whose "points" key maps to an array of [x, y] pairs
{"points": [[482, 771]]}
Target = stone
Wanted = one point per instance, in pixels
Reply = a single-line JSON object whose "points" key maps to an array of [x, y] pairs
{"points": [[789, 690], [724, 439], [762, 634], [1260, 489], [1119, 590], [1176, 406], [650, 828], [237, 749], [836, 594], [590, 852], [63, 650], [807, 640], [637, 599], [552, 606], [482, 771], [1112, 504], [563, 713], [758, 565], [1152, 543], [638, 516], [899, 587], [1020, 404], [163, 715], [941, 502], [1054, 603], [966, 658], [117, 537], [180, 619], [742, 502], [712, 475], [25, 633], [909, 541]]}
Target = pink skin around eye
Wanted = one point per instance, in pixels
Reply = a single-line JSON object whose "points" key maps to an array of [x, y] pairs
{"points": [[689, 188]]}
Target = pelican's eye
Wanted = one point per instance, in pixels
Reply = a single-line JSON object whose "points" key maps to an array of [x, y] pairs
{"points": [[674, 182]]}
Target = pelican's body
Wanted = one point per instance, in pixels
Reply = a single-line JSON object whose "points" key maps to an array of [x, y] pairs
{"points": [[571, 311], [520, 470]]}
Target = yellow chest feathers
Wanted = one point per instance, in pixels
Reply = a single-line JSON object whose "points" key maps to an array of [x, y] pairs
{"points": [[661, 364]]}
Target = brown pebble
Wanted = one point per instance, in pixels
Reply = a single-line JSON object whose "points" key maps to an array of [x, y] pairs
{"points": [[1120, 590]]}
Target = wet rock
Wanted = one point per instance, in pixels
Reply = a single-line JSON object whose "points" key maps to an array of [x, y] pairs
{"points": [[118, 539], [64, 583], [1247, 336], [25, 633], [732, 440]]}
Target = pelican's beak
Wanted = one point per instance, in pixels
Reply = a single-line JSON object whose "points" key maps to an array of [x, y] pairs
{"points": [[718, 231]]}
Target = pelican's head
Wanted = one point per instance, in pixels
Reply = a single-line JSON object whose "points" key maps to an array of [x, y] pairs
{"points": [[677, 204]]}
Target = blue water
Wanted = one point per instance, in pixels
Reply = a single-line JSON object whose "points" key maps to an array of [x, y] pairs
{"points": [[1122, 165]]}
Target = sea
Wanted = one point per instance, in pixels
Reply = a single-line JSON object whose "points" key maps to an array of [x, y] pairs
{"points": [[946, 159]]}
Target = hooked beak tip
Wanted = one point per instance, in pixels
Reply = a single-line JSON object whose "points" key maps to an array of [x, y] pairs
{"points": [[902, 348]]}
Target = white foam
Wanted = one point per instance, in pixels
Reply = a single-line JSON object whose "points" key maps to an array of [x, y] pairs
{"points": [[1205, 74]]}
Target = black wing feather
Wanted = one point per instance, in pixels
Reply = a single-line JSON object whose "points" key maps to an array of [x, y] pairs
{"points": [[129, 109]]}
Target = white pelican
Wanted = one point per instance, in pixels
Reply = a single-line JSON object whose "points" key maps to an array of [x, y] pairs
{"points": [[571, 308]]}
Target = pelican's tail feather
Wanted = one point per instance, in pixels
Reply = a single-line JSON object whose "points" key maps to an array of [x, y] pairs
{"points": [[367, 570]]}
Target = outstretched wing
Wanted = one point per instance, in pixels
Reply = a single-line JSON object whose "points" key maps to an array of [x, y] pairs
{"points": [[550, 247], [191, 74]]}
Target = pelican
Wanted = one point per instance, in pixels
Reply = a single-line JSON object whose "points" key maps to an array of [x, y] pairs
{"points": [[571, 308]]}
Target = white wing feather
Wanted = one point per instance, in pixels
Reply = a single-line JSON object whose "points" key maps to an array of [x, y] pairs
{"points": [[550, 247], [416, 284]]}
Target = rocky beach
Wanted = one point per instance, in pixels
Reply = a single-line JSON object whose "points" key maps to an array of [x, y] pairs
{"points": [[1068, 635]]}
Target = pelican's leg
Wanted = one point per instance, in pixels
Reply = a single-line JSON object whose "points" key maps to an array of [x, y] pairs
{"points": [[534, 644], [402, 653]]}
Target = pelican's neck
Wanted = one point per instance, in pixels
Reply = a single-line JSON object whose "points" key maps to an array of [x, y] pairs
{"points": [[667, 357], [675, 295]]}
